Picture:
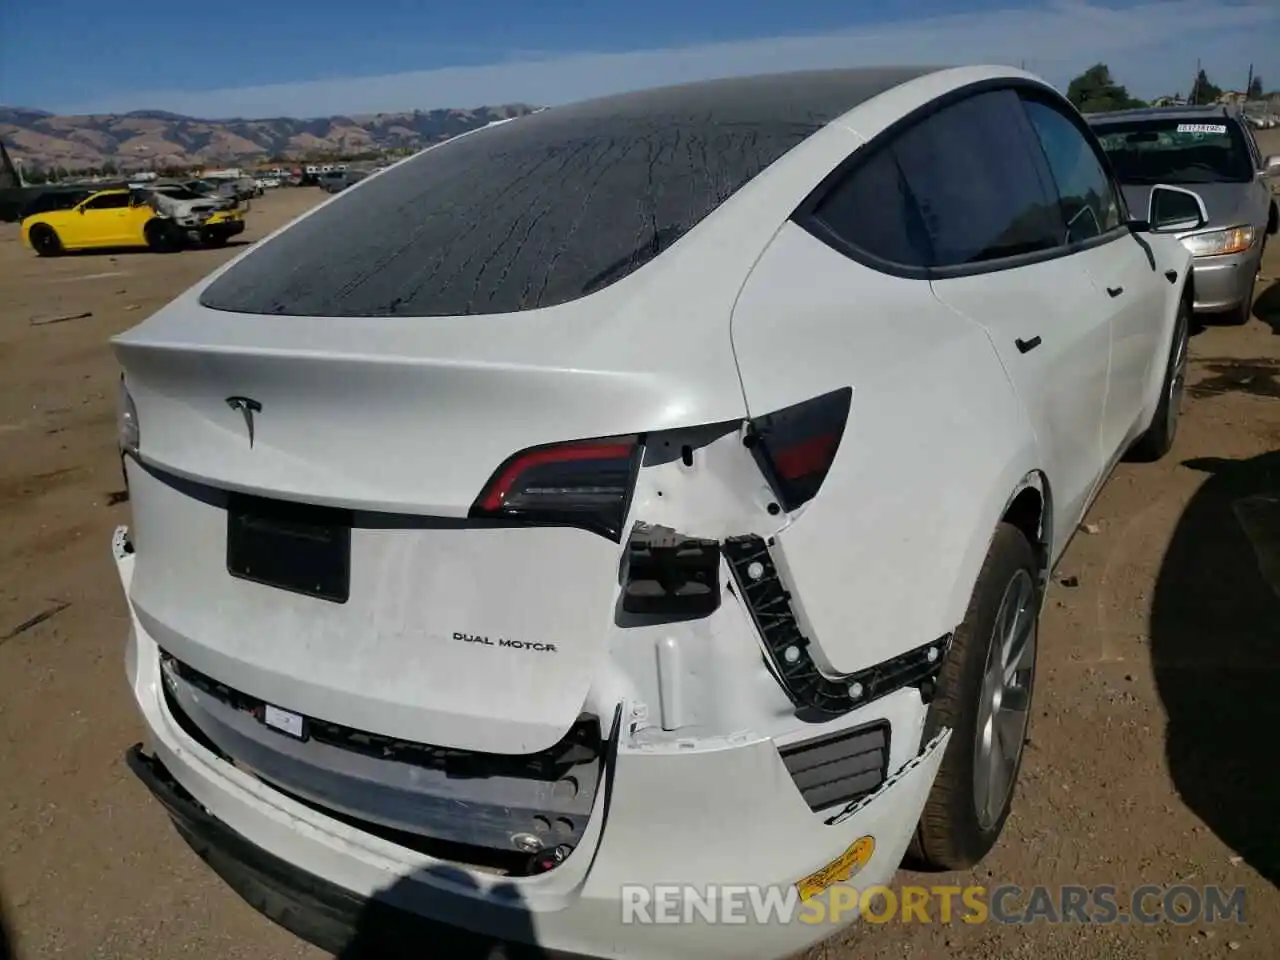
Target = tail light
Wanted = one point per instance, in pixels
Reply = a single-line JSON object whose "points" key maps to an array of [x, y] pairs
{"points": [[796, 446], [128, 435], [584, 484]]}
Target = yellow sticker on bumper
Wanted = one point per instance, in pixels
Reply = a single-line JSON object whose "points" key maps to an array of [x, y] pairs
{"points": [[840, 870]]}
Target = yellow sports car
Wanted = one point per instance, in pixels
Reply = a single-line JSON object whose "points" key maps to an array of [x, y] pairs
{"points": [[132, 218]]}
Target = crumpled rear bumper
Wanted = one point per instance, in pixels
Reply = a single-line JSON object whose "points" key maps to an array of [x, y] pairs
{"points": [[722, 814]]}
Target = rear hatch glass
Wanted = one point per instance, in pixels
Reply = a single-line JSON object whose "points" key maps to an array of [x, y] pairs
{"points": [[540, 210]]}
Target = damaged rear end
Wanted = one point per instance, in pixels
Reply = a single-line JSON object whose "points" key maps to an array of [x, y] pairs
{"points": [[462, 535], [387, 585]]}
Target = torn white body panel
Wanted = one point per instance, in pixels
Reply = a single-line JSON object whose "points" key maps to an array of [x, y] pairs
{"points": [[698, 786]]}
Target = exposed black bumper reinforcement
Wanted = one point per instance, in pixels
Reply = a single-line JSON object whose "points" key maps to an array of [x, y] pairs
{"points": [[346, 924], [809, 689]]}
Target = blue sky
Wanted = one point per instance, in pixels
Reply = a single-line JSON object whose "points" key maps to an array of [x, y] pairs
{"points": [[287, 57]]}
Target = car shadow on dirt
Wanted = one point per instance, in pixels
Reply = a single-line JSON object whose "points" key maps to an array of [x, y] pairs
{"points": [[1215, 647], [384, 932], [6, 939], [145, 251], [1267, 307]]}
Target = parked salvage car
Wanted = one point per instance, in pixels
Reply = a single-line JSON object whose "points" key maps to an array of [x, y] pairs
{"points": [[678, 511], [130, 218], [224, 190], [1213, 151], [211, 221], [335, 181], [242, 188]]}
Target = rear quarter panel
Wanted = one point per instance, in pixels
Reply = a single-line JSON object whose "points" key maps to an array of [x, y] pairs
{"points": [[885, 557], [59, 220]]}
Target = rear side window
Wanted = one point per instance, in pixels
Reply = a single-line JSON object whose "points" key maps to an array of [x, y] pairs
{"points": [[979, 181], [1089, 202], [966, 185], [875, 211]]}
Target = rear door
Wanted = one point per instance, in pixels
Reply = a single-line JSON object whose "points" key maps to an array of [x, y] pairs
{"points": [[1124, 269], [986, 197]]}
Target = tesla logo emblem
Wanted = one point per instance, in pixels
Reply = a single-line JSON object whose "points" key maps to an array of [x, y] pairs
{"points": [[247, 407]]}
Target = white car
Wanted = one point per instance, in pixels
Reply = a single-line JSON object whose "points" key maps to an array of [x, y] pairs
{"points": [[654, 490]]}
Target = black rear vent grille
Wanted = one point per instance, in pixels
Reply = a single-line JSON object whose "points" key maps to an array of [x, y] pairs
{"points": [[839, 767]]}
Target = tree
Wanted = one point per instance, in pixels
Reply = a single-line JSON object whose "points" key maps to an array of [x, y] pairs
{"points": [[1205, 91], [1255, 88], [1094, 91]]}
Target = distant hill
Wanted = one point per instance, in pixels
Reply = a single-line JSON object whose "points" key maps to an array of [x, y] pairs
{"points": [[134, 140]]}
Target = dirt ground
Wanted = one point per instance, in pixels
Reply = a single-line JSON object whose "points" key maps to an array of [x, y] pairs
{"points": [[1156, 692]]}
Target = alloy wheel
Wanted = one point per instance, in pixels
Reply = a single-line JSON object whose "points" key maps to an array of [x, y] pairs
{"points": [[1005, 700]]}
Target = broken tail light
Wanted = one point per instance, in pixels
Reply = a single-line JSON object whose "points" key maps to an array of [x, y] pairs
{"points": [[585, 484], [795, 447]]}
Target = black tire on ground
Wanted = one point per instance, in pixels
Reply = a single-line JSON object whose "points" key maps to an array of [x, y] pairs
{"points": [[1158, 439], [162, 236], [950, 835], [45, 241], [211, 238]]}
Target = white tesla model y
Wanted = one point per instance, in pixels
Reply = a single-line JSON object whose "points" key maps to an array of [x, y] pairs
{"points": [[655, 490]]}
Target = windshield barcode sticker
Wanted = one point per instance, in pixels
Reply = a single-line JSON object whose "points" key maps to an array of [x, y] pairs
{"points": [[1202, 128]]}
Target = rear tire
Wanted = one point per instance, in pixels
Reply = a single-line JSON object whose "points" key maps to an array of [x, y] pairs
{"points": [[984, 696], [45, 240], [1158, 439]]}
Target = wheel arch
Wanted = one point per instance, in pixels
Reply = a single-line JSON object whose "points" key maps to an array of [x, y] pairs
{"points": [[36, 228], [1021, 495], [1030, 510]]}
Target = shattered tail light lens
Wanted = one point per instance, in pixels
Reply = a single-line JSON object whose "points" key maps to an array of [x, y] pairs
{"points": [[795, 447], [585, 484]]}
